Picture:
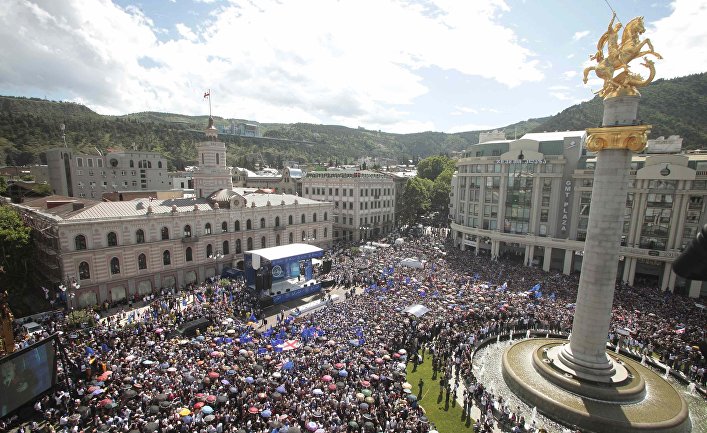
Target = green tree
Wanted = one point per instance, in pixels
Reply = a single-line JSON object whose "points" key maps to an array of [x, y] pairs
{"points": [[430, 168], [439, 196], [415, 199], [14, 239], [3, 185]]}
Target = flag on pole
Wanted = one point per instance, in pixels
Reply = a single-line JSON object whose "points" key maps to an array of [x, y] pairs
{"points": [[207, 94]]}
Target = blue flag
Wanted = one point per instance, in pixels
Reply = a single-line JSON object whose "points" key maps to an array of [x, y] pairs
{"points": [[536, 288], [90, 351]]}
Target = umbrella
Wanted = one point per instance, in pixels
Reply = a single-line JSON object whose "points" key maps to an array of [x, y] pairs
{"points": [[131, 393], [104, 402], [199, 405], [211, 399], [249, 379], [151, 427], [327, 378], [312, 426], [213, 375], [332, 387], [369, 400], [148, 362], [276, 395], [412, 397], [161, 397], [343, 373], [253, 410], [366, 392], [363, 406], [184, 412], [339, 365], [209, 418], [222, 399], [207, 410], [189, 379], [353, 424], [365, 383], [154, 409], [317, 391], [97, 391], [407, 385], [266, 413], [187, 419]]}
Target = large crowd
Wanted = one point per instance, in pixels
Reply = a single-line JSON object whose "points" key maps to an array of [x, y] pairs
{"points": [[339, 368]]}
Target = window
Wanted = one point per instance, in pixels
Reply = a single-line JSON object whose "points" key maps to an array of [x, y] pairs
{"points": [[132, 163], [224, 227], [277, 240], [237, 226], [238, 246], [303, 235], [225, 248], [262, 223], [248, 225], [543, 215], [187, 231], [114, 266], [165, 233], [303, 219], [79, 162], [207, 229], [326, 216], [84, 271], [249, 244], [277, 221], [325, 232], [166, 258], [314, 233], [289, 220], [112, 239], [80, 242], [262, 242], [188, 254], [291, 238], [314, 217], [209, 251], [159, 164], [140, 236], [142, 262], [217, 158]]}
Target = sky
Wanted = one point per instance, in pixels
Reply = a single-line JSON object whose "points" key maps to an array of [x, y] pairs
{"points": [[393, 65]]}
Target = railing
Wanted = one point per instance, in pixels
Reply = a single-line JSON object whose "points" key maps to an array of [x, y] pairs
{"points": [[278, 228], [189, 239]]}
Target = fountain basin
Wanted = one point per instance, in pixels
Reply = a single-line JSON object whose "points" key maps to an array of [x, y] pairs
{"points": [[654, 406]]}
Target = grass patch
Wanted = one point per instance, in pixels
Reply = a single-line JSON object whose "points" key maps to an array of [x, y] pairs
{"points": [[447, 416]]}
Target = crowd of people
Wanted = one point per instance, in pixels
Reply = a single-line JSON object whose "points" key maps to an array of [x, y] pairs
{"points": [[339, 368]]}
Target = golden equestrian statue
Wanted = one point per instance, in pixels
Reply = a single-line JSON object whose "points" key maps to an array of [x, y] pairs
{"points": [[618, 57]]}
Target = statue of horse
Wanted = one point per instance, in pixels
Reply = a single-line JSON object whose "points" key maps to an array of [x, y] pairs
{"points": [[631, 44]]}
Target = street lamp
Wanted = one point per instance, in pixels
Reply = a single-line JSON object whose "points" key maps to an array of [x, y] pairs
{"points": [[309, 237], [69, 283], [218, 255], [363, 232]]}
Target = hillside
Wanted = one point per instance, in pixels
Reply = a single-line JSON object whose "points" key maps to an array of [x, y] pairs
{"points": [[30, 126]]}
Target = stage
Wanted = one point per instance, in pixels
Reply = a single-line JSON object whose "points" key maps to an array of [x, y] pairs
{"points": [[281, 274]]}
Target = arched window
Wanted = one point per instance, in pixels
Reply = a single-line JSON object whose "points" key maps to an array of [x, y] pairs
{"points": [[303, 219], [291, 238], [304, 235], [314, 233], [326, 215], [165, 233], [262, 242], [142, 261], [132, 164], [325, 232], [277, 240], [207, 229], [224, 227], [159, 164], [80, 242], [248, 225], [188, 255], [209, 251], [289, 220], [112, 239], [238, 246], [139, 164], [277, 221], [84, 271], [262, 223], [249, 244], [187, 231], [114, 266], [149, 164], [237, 226], [140, 236], [166, 258], [314, 217], [225, 248]]}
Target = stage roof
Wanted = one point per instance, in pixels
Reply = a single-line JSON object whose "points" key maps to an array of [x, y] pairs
{"points": [[284, 251]]}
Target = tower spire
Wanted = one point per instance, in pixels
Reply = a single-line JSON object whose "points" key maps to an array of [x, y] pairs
{"points": [[210, 130]]}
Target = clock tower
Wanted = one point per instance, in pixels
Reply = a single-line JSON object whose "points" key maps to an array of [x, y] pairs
{"points": [[212, 174]]}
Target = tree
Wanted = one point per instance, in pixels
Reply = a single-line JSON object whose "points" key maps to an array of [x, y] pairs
{"points": [[430, 168], [439, 196], [415, 199], [14, 239], [3, 185]]}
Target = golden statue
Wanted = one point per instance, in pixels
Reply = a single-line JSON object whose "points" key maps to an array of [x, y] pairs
{"points": [[618, 57]]}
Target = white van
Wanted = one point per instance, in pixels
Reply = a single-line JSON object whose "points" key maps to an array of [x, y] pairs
{"points": [[33, 328]]}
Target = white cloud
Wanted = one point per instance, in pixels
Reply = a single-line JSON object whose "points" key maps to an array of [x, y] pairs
{"points": [[579, 35], [466, 109], [268, 60], [680, 38], [568, 75]]}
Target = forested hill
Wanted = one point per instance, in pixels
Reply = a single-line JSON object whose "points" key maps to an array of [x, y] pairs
{"points": [[30, 126]]}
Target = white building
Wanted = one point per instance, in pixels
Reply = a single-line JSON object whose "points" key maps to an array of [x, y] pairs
{"points": [[529, 198]]}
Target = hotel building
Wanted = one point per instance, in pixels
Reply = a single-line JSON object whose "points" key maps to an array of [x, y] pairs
{"points": [[530, 198]]}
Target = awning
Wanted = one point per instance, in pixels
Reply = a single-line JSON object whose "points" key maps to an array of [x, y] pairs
{"points": [[418, 310]]}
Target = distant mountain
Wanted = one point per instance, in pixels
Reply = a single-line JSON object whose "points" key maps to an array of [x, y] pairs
{"points": [[30, 126]]}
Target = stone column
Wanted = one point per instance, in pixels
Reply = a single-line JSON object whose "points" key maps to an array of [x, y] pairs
{"points": [[567, 265], [695, 288], [547, 259], [585, 354]]}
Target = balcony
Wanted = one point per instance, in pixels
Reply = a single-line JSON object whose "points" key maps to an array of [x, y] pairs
{"points": [[189, 239], [278, 228]]}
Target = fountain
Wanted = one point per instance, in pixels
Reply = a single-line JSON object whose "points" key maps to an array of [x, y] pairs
{"points": [[578, 381]]}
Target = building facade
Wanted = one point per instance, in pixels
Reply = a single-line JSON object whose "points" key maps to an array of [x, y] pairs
{"points": [[364, 201], [89, 176], [289, 181], [530, 199], [107, 251]]}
